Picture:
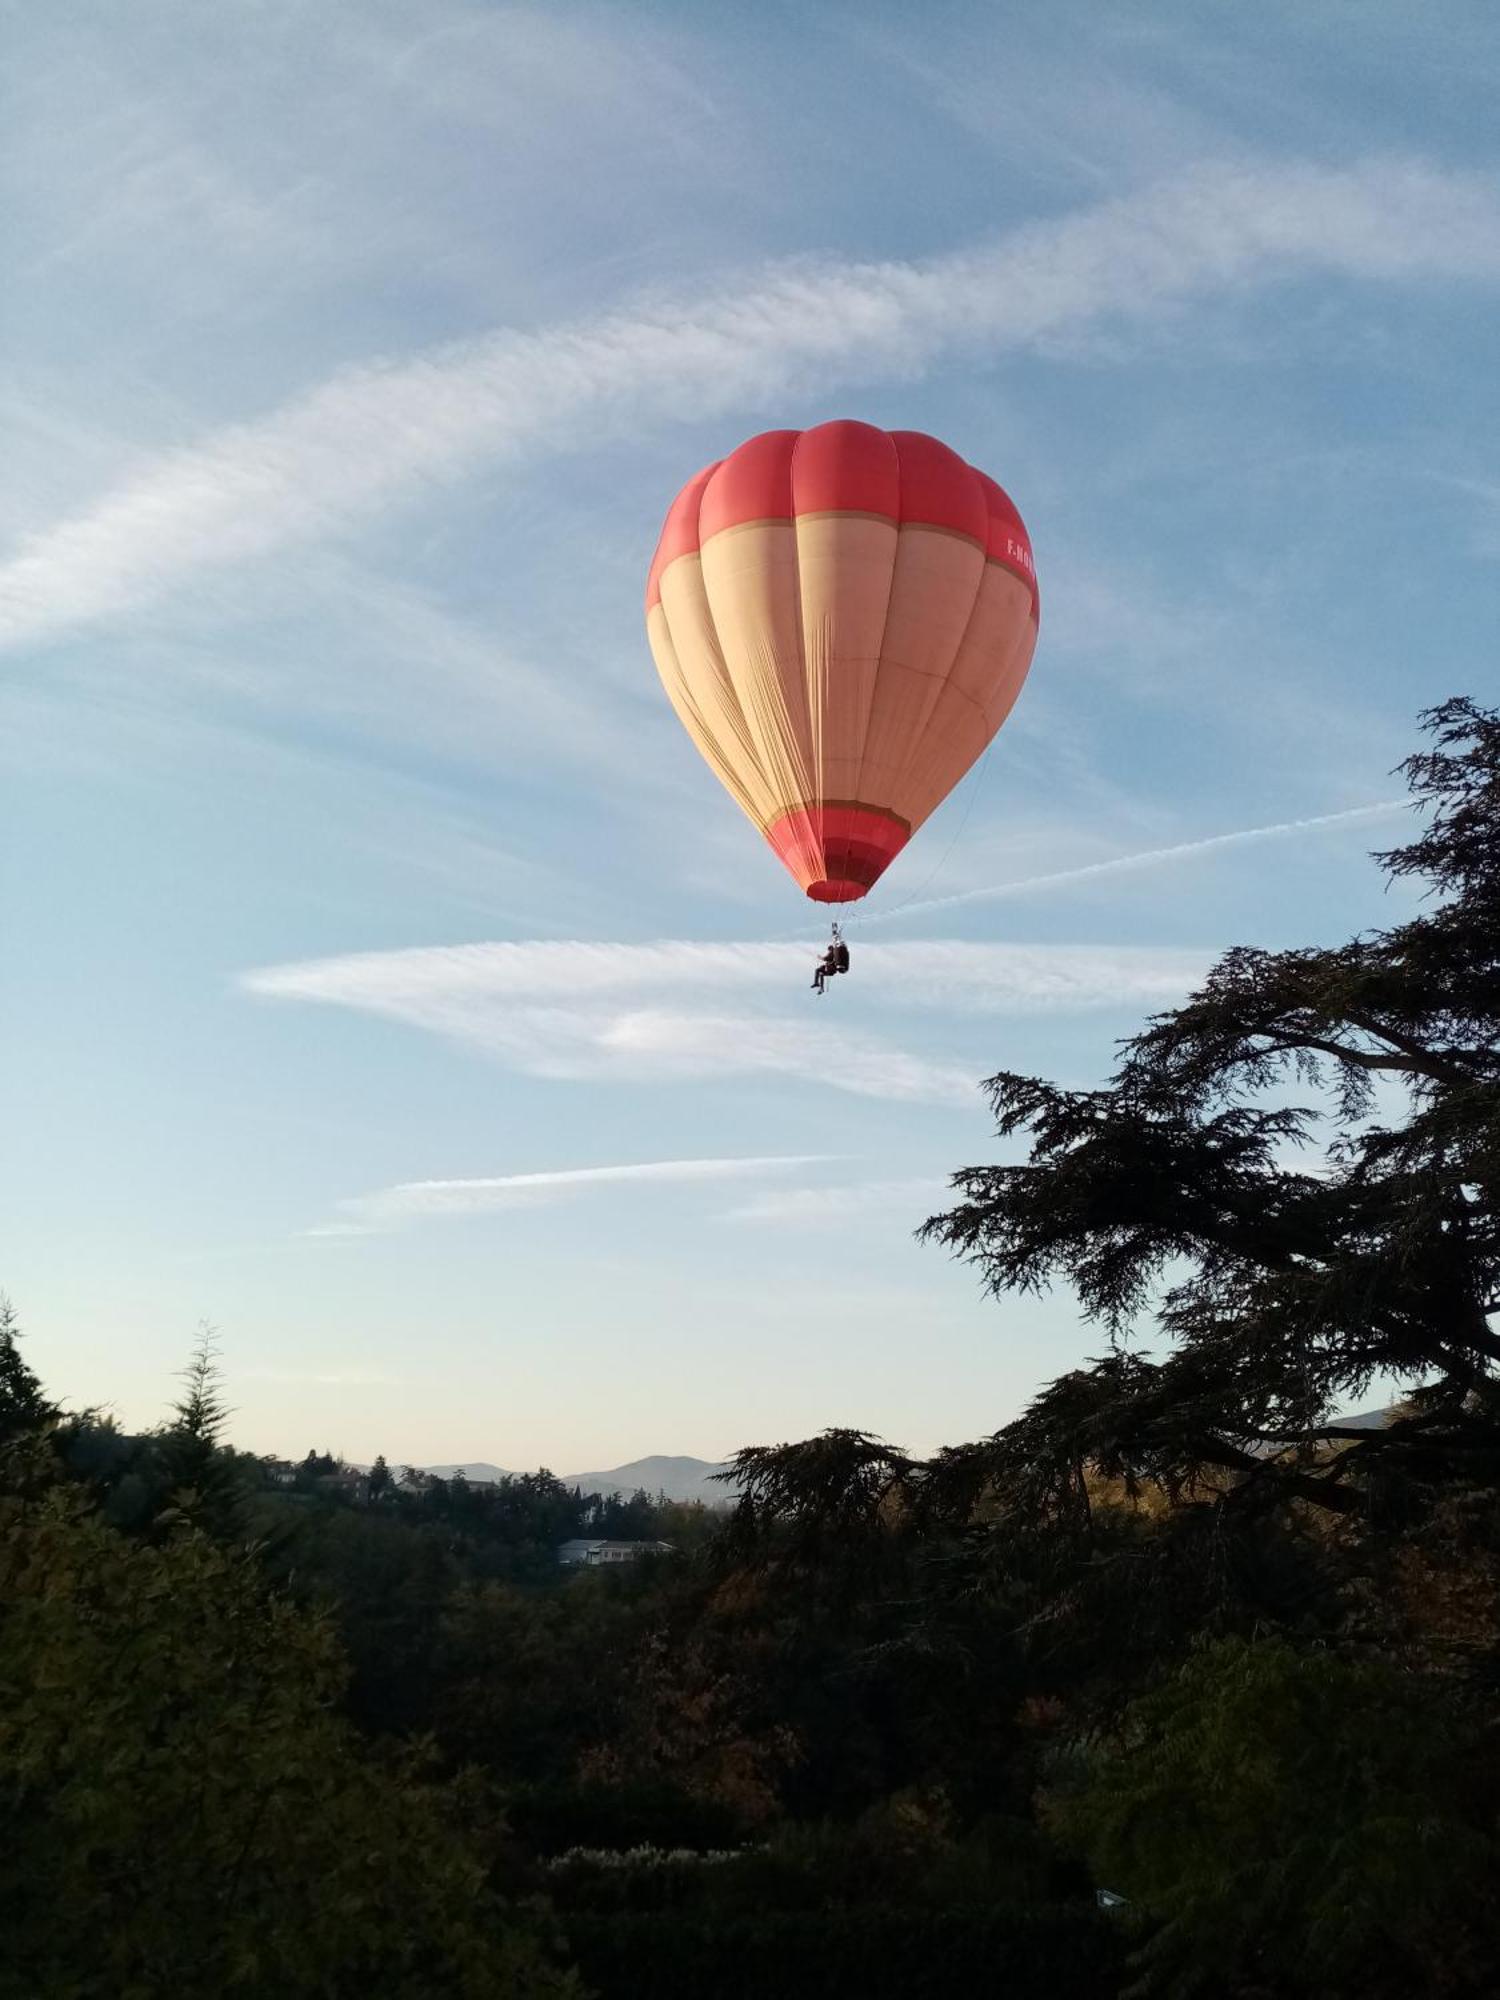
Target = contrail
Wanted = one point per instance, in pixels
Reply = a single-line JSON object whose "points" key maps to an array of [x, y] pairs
{"points": [[1150, 857]]}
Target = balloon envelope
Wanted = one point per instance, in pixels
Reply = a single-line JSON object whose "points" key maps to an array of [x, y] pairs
{"points": [[842, 619]]}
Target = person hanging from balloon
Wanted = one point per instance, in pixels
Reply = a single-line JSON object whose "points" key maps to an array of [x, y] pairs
{"points": [[835, 959], [842, 619]]}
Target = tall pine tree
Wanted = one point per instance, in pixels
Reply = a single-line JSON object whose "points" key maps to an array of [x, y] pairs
{"points": [[1175, 1205], [23, 1407], [203, 1480]]}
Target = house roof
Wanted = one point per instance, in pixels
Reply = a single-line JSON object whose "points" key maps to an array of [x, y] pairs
{"points": [[601, 1542]]}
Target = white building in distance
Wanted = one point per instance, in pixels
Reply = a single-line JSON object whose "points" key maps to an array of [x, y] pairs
{"points": [[590, 1554]]}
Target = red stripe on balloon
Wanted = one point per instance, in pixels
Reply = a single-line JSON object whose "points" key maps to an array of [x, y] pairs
{"points": [[679, 532], [752, 484], [837, 851], [938, 489], [844, 467]]}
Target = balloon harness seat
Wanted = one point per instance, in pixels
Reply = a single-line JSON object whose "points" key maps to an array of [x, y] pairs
{"points": [[835, 959]]}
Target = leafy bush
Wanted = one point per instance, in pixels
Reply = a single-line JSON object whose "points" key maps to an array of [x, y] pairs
{"points": [[889, 1905], [1298, 1824], [550, 1819], [183, 1814], [866, 1954]]}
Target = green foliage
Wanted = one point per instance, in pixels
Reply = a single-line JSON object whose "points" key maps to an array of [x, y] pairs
{"points": [[402, 1568], [893, 1904], [184, 1813], [557, 1815], [1169, 1196], [901, 1853], [23, 1407], [529, 1680], [199, 1476], [876, 1954], [909, 1649], [383, 1579], [1298, 1824]]}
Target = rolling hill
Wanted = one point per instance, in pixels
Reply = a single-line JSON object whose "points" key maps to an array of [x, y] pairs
{"points": [[680, 1478]]}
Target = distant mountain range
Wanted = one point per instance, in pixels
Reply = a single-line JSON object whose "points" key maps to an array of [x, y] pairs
{"points": [[678, 1478], [693, 1478]]}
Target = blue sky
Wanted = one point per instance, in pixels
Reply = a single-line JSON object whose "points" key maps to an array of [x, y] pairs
{"points": [[385, 979]]}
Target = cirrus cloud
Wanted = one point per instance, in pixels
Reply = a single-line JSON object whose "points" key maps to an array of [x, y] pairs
{"points": [[417, 1201], [375, 434], [674, 1011]]}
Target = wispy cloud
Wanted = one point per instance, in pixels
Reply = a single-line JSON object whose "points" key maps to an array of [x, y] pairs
{"points": [[417, 1201], [675, 1045], [453, 987], [855, 1201], [1150, 857], [674, 1011], [370, 151], [374, 434]]}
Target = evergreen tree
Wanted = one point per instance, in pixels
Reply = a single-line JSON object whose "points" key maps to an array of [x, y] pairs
{"points": [[1172, 1196], [22, 1404], [203, 1480]]}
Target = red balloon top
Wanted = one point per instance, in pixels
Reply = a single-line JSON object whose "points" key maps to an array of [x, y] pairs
{"points": [[845, 468]]}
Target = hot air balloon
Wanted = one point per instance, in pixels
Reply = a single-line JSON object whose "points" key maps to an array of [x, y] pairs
{"points": [[842, 618]]}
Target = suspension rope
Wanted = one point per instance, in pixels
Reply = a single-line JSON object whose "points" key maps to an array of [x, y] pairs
{"points": [[881, 916]]}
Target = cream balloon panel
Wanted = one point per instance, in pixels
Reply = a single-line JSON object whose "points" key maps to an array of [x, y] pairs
{"points": [[685, 646], [933, 591], [846, 563], [980, 692], [841, 657], [706, 719], [750, 576]]}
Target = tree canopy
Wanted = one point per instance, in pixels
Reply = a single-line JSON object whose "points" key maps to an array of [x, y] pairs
{"points": [[22, 1404], [1287, 1254], [184, 1813]]}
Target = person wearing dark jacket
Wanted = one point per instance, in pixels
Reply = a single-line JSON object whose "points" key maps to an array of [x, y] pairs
{"points": [[835, 959]]}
